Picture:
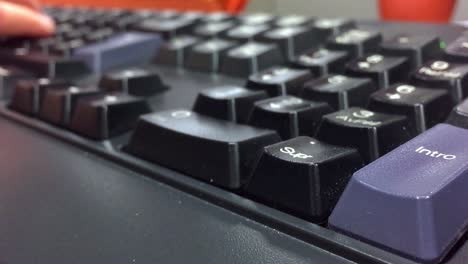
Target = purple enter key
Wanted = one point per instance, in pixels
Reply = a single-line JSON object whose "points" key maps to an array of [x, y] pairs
{"points": [[414, 200]]}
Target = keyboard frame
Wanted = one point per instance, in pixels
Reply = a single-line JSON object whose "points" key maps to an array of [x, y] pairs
{"points": [[319, 236]]}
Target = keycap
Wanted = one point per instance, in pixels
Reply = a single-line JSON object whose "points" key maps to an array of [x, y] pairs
{"points": [[192, 144], [320, 172], [328, 27], [372, 133], [43, 65], [322, 61], [216, 17], [279, 80], [292, 21], [245, 33], [441, 74], [76, 33], [9, 75], [250, 58], [99, 35], [459, 115], [423, 107], [356, 42], [256, 19], [58, 104], [417, 48], [28, 94], [291, 40], [215, 29], [167, 28], [174, 51], [290, 116], [206, 56], [166, 14], [231, 103], [457, 51], [339, 91], [137, 81], [105, 116], [410, 200], [66, 49], [124, 49], [383, 70]]}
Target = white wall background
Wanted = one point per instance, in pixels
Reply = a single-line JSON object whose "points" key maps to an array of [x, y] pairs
{"points": [[334, 8]]}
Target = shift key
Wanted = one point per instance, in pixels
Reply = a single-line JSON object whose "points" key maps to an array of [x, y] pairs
{"points": [[412, 200]]}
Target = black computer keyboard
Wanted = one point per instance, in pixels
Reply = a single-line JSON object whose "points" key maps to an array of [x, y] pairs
{"points": [[347, 135]]}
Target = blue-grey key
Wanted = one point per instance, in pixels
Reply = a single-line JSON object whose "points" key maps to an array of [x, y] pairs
{"points": [[412, 200], [124, 49]]}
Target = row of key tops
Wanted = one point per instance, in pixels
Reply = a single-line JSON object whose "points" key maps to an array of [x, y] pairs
{"points": [[322, 100]]}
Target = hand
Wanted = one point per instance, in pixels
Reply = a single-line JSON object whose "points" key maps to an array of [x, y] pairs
{"points": [[24, 18]]}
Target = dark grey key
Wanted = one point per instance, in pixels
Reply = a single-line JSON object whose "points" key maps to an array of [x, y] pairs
{"points": [[250, 58], [174, 51], [424, 107], [291, 40], [104, 116], [441, 74], [137, 81], [279, 80], [292, 21], [67, 48], [231, 103], [256, 19], [410, 200], [356, 42], [328, 27], [320, 173], [167, 28], [9, 75], [322, 61], [216, 17], [418, 49], [459, 115], [458, 50], [192, 144], [372, 133], [210, 30], [383, 70], [206, 56], [244, 33], [58, 104], [290, 116], [340, 92]]}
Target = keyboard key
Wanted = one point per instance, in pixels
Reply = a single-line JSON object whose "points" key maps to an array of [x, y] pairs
{"points": [[443, 75], [28, 94], [216, 17], [137, 81], [105, 116], [459, 115], [250, 58], [338, 91], [124, 49], [332, 26], [292, 21], [66, 49], [373, 134], [245, 33], [9, 75], [383, 70], [99, 35], [231, 103], [410, 200], [417, 49], [320, 171], [291, 40], [356, 42], [43, 65], [174, 51], [167, 28], [256, 19], [458, 50], [58, 104], [192, 144], [279, 80], [211, 30], [322, 61], [290, 116], [206, 56], [423, 107]]}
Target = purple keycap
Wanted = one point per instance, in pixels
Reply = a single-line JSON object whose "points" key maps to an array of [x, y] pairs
{"points": [[124, 49], [412, 200]]}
